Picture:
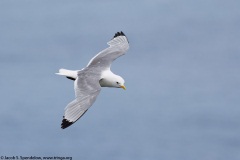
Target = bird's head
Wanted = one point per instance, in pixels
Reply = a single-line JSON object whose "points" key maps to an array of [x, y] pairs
{"points": [[112, 80], [120, 82]]}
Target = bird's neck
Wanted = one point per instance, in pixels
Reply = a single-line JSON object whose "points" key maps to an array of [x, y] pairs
{"points": [[107, 78]]}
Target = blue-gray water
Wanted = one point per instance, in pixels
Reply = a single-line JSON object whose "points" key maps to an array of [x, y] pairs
{"points": [[182, 75]]}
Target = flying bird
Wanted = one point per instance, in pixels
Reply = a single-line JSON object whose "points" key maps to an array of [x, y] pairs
{"points": [[89, 80]]}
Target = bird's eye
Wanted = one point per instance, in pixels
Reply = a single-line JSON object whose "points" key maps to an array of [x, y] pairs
{"points": [[117, 82]]}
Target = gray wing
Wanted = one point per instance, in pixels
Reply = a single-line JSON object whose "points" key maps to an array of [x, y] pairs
{"points": [[117, 47], [87, 88]]}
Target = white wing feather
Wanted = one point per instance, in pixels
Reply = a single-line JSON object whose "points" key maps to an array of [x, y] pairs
{"points": [[117, 47], [87, 88]]}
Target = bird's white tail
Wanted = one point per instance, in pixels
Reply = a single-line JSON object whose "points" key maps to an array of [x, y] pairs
{"points": [[68, 73]]}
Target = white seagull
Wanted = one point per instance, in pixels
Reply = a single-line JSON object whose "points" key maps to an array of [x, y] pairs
{"points": [[89, 80]]}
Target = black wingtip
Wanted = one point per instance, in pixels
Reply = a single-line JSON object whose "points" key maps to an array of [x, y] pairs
{"points": [[119, 34], [65, 123]]}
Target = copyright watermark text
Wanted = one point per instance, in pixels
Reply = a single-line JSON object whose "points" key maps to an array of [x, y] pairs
{"points": [[34, 158]]}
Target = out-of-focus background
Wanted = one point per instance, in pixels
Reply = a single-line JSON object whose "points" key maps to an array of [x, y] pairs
{"points": [[182, 74]]}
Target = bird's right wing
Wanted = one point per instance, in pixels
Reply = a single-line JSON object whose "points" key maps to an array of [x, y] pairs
{"points": [[87, 88], [76, 109]]}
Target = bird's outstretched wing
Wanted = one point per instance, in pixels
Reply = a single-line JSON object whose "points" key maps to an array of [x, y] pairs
{"points": [[87, 88], [117, 47]]}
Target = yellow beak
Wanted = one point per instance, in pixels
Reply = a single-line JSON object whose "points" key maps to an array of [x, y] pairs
{"points": [[123, 87]]}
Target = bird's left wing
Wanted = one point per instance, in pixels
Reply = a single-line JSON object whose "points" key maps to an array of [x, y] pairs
{"points": [[117, 47]]}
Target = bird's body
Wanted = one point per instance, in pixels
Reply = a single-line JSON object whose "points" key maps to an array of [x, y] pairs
{"points": [[89, 80]]}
